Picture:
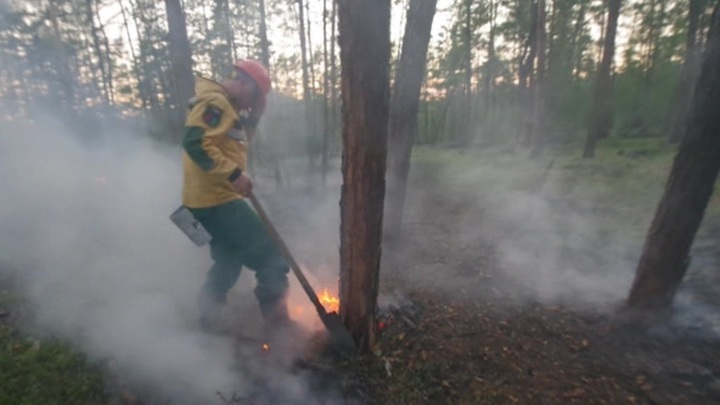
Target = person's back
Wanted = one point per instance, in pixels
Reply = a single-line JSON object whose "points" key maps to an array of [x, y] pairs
{"points": [[210, 155]]}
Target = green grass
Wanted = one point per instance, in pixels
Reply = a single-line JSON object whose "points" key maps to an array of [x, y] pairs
{"points": [[44, 372], [619, 189]]}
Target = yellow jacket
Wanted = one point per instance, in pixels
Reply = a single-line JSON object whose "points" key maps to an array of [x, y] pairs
{"points": [[214, 153]]}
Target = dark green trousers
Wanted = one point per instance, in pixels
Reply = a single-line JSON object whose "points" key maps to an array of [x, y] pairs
{"points": [[239, 239]]}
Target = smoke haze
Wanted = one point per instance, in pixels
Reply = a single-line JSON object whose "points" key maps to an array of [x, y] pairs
{"points": [[86, 229]]}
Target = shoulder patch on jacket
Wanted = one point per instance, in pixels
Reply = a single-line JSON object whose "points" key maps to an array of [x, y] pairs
{"points": [[212, 116]]}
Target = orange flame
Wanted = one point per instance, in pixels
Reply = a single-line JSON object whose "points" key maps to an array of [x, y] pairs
{"points": [[329, 301]]}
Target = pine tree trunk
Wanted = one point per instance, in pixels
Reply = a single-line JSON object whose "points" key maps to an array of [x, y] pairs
{"points": [[365, 58], [180, 55], [333, 78], [90, 17], [683, 91], [264, 42], [404, 107], [326, 107], [144, 98], [526, 79], [466, 119], [665, 256], [306, 87], [539, 96], [601, 115]]}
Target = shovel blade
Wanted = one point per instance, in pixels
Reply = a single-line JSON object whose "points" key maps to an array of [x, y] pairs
{"points": [[341, 340]]}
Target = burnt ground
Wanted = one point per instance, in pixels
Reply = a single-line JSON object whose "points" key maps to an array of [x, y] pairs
{"points": [[473, 342]]}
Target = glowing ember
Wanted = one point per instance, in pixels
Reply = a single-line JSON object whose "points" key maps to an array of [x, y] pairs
{"points": [[329, 301], [266, 347]]}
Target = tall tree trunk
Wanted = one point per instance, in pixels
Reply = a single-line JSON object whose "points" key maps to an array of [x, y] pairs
{"points": [[490, 68], [683, 91], [578, 50], [404, 107], [90, 17], [690, 184], [326, 107], [526, 78], [108, 57], [180, 55], [334, 116], [133, 57], [365, 58], [306, 87], [539, 96], [264, 42], [141, 19], [64, 76], [657, 23], [466, 119], [601, 115]]}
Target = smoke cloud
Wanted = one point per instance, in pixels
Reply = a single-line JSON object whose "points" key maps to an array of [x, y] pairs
{"points": [[86, 229]]}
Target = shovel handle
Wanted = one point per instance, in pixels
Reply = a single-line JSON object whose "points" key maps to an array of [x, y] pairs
{"points": [[288, 256]]}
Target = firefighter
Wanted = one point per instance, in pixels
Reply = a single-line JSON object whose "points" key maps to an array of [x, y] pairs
{"points": [[221, 121]]}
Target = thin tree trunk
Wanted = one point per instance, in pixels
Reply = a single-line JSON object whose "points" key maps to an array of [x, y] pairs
{"points": [[665, 256], [311, 59], [180, 55], [140, 20], [306, 88], [264, 42], [67, 96], [490, 69], [683, 91], [108, 57], [466, 118], [539, 96], [365, 57], [133, 57], [326, 107], [526, 79], [577, 53], [90, 18], [333, 76], [602, 115], [404, 107]]}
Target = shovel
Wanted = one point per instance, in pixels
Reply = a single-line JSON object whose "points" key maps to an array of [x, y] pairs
{"points": [[341, 339]]}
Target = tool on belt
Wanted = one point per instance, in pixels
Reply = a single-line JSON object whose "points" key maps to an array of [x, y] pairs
{"points": [[186, 221]]}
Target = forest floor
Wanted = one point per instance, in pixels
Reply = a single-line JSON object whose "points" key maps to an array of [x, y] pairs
{"points": [[504, 289], [468, 330]]}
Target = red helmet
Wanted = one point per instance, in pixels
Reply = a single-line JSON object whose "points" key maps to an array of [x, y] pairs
{"points": [[258, 73]]}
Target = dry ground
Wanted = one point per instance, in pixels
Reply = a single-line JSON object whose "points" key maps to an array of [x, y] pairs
{"points": [[472, 341]]}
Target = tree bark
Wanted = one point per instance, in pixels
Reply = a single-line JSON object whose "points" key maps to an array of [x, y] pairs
{"points": [[404, 107], [90, 17], [264, 42], [526, 79], [665, 255], [365, 57], [602, 116], [466, 119], [683, 91], [538, 122], [180, 55], [144, 98], [326, 107], [306, 87]]}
